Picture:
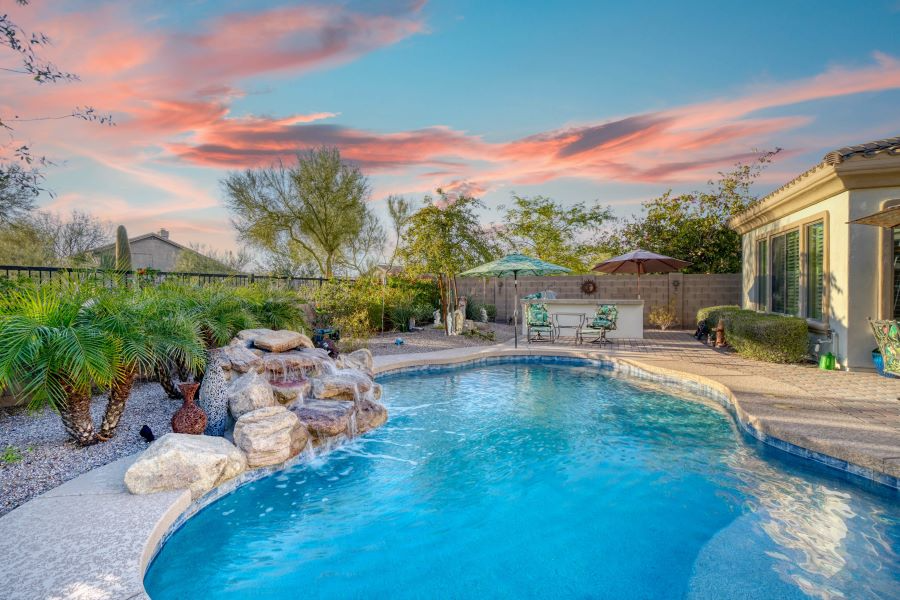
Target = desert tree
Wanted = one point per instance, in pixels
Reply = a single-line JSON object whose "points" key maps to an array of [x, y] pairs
{"points": [[315, 207]]}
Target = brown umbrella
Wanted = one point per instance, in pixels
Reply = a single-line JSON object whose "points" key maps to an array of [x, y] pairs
{"points": [[888, 218], [640, 262]]}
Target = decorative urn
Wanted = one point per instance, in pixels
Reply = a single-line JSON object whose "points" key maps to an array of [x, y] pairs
{"points": [[190, 418]]}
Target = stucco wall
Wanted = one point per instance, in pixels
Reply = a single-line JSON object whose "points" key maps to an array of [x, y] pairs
{"points": [[836, 241], [691, 293], [855, 270]]}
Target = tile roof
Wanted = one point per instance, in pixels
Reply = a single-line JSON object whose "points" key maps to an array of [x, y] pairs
{"points": [[887, 145]]}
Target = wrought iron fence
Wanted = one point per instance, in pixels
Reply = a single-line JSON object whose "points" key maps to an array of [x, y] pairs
{"points": [[108, 277]]}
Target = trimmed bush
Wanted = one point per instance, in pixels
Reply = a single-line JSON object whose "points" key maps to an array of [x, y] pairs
{"points": [[760, 336]]}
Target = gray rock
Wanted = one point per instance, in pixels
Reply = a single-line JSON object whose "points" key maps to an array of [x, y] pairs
{"points": [[213, 397], [249, 392], [324, 418], [269, 436], [248, 335], [178, 461]]}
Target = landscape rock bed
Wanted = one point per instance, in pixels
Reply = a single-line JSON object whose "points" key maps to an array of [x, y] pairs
{"points": [[260, 382], [48, 459]]}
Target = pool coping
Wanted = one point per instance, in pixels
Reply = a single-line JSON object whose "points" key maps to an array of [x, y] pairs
{"points": [[125, 531]]}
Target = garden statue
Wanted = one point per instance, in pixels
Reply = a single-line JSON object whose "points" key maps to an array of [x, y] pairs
{"points": [[484, 315], [437, 317]]}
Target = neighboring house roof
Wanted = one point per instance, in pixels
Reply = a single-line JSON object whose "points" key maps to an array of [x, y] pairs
{"points": [[144, 237], [161, 237], [872, 164]]}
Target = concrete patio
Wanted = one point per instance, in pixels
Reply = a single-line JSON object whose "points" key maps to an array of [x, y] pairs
{"points": [[90, 538]]}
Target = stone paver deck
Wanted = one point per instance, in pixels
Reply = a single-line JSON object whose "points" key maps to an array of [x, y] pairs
{"points": [[89, 538]]}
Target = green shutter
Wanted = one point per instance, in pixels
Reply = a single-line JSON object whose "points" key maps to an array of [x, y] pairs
{"points": [[762, 274], [815, 277], [792, 273], [778, 274]]}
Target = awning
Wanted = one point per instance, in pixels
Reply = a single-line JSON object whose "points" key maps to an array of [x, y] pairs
{"points": [[889, 217]]}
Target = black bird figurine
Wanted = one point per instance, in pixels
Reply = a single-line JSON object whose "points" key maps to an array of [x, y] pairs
{"points": [[147, 433]]}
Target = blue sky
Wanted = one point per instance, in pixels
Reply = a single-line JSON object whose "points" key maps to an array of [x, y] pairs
{"points": [[577, 100]]}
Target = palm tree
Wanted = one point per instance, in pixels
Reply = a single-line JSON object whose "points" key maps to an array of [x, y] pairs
{"points": [[218, 314], [145, 334], [53, 352], [273, 307]]}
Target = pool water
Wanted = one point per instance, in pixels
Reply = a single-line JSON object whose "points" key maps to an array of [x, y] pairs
{"points": [[531, 480]]}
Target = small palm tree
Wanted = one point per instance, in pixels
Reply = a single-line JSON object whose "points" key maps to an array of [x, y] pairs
{"points": [[215, 311], [273, 307], [52, 350], [145, 334]]}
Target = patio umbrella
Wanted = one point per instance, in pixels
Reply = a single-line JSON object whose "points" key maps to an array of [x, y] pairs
{"points": [[514, 264], [887, 218], [640, 262]]}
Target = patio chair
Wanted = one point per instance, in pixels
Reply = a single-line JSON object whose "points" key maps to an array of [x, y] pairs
{"points": [[604, 320], [538, 323], [887, 336]]}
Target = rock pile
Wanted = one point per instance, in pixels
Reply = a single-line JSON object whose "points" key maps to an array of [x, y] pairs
{"points": [[280, 395]]}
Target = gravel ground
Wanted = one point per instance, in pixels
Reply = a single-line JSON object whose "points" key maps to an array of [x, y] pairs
{"points": [[48, 458], [431, 340]]}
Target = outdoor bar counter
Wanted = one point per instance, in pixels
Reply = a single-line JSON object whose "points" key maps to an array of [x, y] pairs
{"points": [[630, 323]]}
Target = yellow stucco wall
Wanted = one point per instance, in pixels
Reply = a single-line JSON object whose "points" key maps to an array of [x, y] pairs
{"points": [[855, 270]]}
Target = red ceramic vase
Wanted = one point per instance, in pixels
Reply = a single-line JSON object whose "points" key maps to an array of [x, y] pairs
{"points": [[190, 418]]}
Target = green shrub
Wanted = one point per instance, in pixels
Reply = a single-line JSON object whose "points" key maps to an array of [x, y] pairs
{"points": [[760, 336], [273, 307]]}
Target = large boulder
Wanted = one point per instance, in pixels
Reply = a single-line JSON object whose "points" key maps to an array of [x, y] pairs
{"points": [[269, 436], [324, 418], [281, 341], [290, 390], [369, 415], [360, 360], [249, 392], [345, 385], [178, 461], [293, 362], [242, 359], [213, 398]]}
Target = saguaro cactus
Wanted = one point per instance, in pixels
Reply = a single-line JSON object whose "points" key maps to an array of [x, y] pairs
{"points": [[123, 250]]}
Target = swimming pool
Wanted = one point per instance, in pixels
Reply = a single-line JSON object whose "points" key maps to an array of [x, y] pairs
{"points": [[534, 480]]}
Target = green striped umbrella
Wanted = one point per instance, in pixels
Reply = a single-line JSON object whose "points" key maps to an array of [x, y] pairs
{"points": [[515, 264]]}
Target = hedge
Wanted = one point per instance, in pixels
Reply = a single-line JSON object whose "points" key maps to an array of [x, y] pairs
{"points": [[760, 336]]}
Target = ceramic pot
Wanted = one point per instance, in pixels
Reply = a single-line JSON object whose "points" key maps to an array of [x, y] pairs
{"points": [[190, 418]]}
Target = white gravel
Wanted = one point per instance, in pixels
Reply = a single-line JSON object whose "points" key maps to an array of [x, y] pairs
{"points": [[49, 458], [429, 339]]}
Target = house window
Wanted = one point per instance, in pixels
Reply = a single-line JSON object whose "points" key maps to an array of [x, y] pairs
{"points": [[786, 273], [896, 289], [762, 274], [815, 270]]}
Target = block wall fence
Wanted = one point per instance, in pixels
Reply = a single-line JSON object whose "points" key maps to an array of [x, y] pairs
{"points": [[688, 293]]}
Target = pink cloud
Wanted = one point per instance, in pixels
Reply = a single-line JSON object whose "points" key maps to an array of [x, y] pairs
{"points": [[173, 94]]}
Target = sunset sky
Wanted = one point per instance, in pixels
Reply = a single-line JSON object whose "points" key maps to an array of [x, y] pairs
{"points": [[615, 101]]}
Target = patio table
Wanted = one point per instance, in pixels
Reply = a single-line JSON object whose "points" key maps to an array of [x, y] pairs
{"points": [[573, 321]]}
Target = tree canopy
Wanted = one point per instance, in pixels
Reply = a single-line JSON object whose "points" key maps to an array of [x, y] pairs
{"points": [[444, 238], [540, 227], [694, 226], [312, 210]]}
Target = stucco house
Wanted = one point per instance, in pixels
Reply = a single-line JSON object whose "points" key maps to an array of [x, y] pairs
{"points": [[803, 255], [152, 251]]}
